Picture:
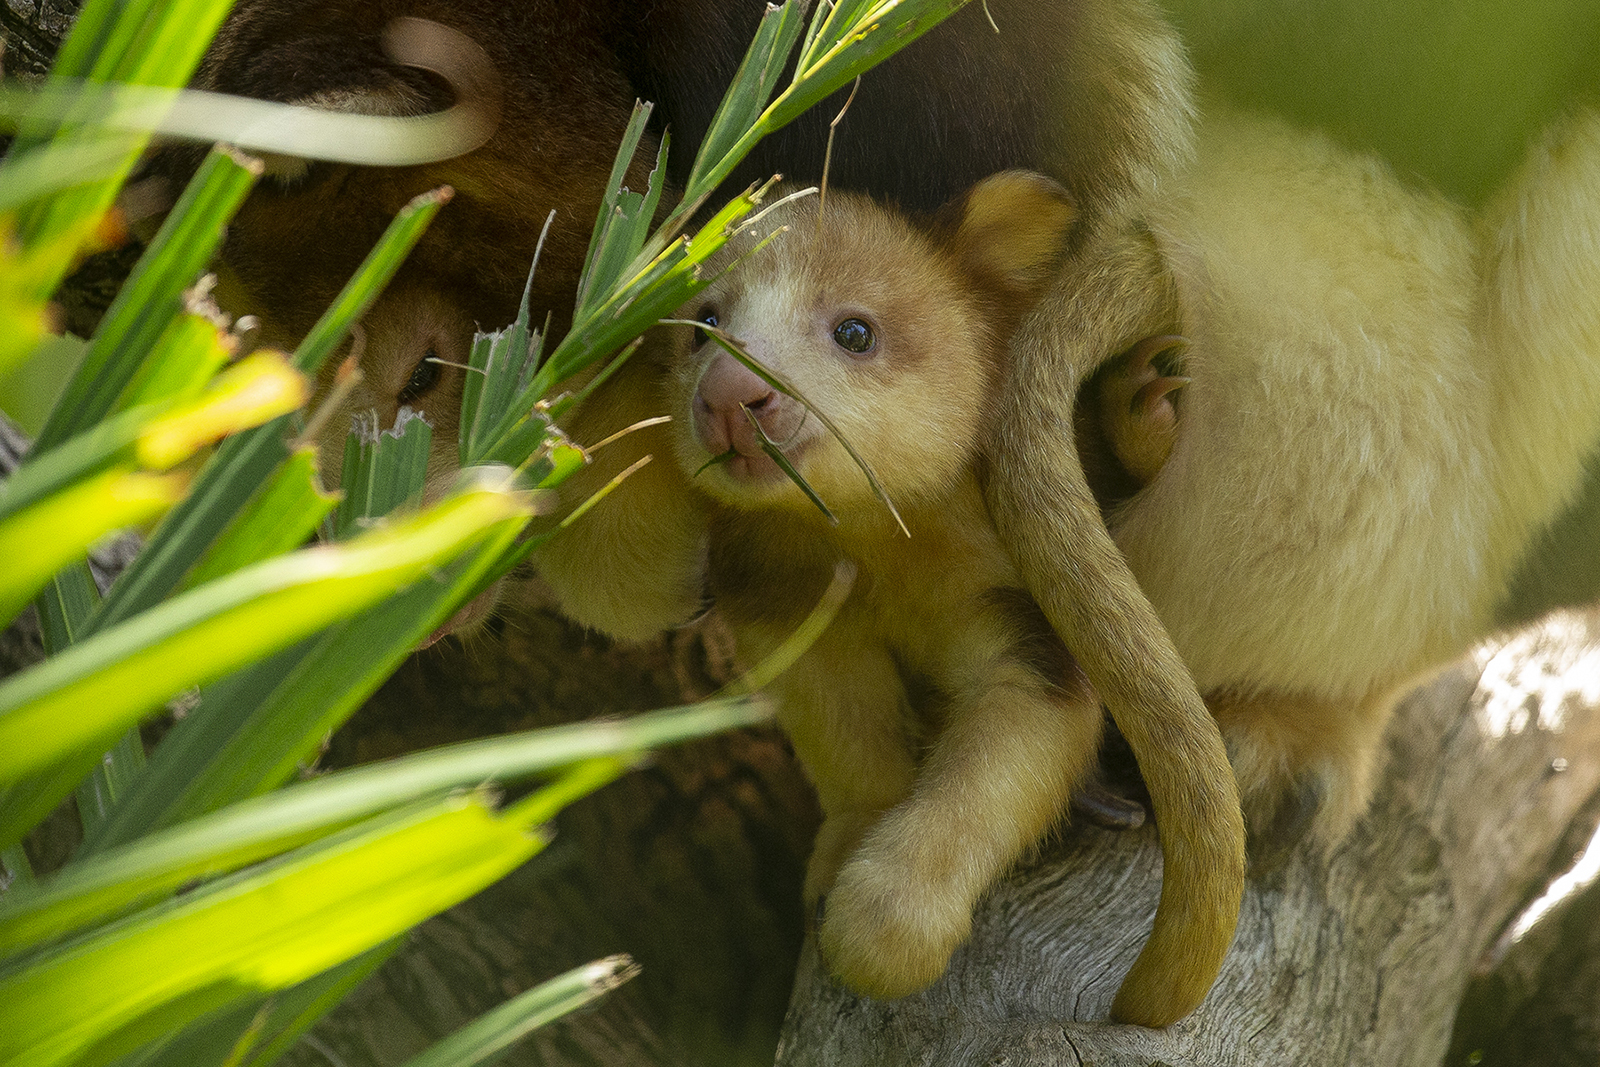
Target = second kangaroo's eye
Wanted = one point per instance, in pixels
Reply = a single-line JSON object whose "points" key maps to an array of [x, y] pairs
{"points": [[708, 315], [424, 376], [854, 336]]}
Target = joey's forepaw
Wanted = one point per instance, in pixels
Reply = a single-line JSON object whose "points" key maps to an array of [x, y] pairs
{"points": [[885, 933]]}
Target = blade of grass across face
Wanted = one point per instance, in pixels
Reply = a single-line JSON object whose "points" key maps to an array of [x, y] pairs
{"points": [[383, 470], [502, 363], [731, 345], [774, 453]]}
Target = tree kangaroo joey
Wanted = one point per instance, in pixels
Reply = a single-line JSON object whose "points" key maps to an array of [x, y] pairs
{"points": [[1389, 399], [898, 333]]}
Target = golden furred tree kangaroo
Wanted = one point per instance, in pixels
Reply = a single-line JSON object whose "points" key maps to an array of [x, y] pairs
{"points": [[1096, 93], [899, 335]]}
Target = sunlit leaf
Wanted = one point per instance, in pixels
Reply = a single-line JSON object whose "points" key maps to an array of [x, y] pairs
{"points": [[152, 295], [108, 883], [245, 461], [255, 390], [104, 683], [44, 538], [281, 516]]}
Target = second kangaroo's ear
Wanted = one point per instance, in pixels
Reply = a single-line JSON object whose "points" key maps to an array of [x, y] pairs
{"points": [[1012, 228]]}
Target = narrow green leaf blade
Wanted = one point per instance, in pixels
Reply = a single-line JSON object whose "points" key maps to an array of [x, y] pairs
{"points": [[281, 516], [747, 96], [39, 541], [278, 728], [246, 460], [187, 356], [225, 483], [262, 1027], [495, 1031], [591, 281], [152, 295], [104, 884], [85, 455], [370, 278]]}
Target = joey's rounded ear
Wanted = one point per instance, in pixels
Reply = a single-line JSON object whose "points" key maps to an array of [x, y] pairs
{"points": [[1013, 226]]}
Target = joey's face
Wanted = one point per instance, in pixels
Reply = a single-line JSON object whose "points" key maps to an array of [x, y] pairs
{"points": [[868, 320]]}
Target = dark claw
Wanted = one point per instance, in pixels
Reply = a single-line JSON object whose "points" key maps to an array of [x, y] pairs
{"points": [[1106, 809]]}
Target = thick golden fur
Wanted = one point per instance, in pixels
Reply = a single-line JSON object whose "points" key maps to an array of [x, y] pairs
{"points": [[925, 806], [1390, 400]]}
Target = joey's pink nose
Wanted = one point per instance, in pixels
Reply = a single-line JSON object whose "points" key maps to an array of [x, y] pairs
{"points": [[727, 391]]}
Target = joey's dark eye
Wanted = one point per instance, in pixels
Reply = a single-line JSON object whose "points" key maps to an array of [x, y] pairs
{"points": [[854, 336], [708, 315], [424, 376]]}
